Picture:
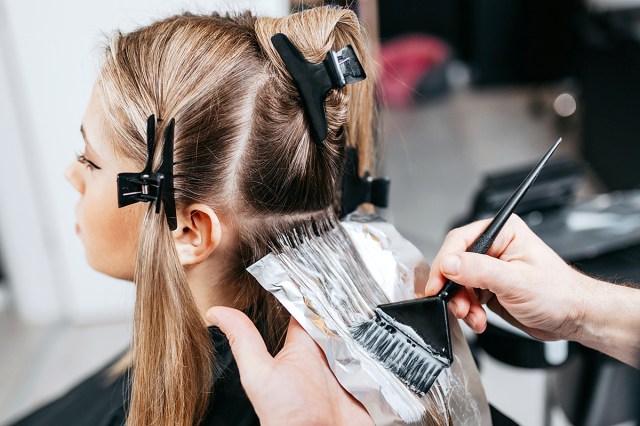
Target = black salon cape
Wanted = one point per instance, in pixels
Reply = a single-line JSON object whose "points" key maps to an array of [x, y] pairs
{"points": [[99, 401]]}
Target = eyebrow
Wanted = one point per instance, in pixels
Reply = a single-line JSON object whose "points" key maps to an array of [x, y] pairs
{"points": [[86, 141]]}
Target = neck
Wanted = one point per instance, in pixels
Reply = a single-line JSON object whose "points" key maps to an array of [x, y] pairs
{"points": [[205, 280]]}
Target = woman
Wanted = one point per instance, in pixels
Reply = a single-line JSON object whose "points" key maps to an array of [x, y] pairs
{"points": [[245, 170]]}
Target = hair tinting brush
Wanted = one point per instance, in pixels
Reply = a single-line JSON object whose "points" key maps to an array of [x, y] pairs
{"points": [[411, 338]]}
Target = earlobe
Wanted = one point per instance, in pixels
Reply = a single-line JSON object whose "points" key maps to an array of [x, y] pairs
{"points": [[198, 234]]}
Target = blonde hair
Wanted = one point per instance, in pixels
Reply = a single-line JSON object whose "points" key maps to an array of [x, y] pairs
{"points": [[243, 147]]}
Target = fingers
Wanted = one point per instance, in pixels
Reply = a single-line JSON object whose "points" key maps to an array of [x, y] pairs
{"points": [[460, 239], [249, 350], [476, 318], [479, 271], [456, 241], [465, 306], [476, 271], [460, 304]]}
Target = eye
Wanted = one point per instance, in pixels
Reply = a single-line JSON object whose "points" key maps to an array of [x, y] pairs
{"points": [[86, 162]]}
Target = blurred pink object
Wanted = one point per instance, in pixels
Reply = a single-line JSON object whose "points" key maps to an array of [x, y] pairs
{"points": [[405, 61]]}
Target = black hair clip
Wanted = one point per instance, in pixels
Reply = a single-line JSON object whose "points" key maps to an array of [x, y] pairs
{"points": [[152, 186], [357, 190], [314, 81]]}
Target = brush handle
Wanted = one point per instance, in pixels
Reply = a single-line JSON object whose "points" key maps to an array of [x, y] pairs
{"points": [[484, 241]]}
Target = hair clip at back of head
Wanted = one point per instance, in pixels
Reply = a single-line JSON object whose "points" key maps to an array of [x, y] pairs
{"points": [[357, 190], [148, 186], [314, 81]]}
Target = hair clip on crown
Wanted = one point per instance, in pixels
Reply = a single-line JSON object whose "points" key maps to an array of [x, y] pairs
{"points": [[148, 186], [314, 81]]}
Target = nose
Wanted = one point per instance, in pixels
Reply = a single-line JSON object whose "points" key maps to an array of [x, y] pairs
{"points": [[74, 176]]}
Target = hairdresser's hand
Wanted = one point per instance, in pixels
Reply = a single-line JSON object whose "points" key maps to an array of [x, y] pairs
{"points": [[294, 388], [522, 280]]}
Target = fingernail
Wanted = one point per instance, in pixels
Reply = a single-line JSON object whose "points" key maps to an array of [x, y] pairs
{"points": [[454, 307], [451, 264]]}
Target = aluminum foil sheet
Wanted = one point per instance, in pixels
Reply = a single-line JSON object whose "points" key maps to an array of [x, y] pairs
{"points": [[331, 282]]}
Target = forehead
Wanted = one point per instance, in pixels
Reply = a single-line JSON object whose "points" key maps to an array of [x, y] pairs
{"points": [[93, 128], [104, 140]]}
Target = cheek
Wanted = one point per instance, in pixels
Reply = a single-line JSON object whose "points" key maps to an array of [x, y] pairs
{"points": [[110, 235]]}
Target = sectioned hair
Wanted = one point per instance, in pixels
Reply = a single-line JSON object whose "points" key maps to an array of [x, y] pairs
{"points": [[243, 147]]}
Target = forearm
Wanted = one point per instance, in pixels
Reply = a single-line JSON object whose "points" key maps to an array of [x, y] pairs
{"points": [[609, 319]]}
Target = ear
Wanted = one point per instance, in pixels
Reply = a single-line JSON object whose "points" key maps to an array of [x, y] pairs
{"points": [[198, 234]]}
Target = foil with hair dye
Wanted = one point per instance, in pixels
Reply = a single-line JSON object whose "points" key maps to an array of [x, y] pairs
{"points": [[332, 280]]}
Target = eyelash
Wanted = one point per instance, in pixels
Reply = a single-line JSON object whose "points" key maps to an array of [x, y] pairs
{"points": [[86, 162]]}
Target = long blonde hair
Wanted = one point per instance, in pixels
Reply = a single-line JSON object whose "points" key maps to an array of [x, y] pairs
{"points": [[243, 147]]}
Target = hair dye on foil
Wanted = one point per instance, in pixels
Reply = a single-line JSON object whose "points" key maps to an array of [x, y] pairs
{"points": [[332, 282]]}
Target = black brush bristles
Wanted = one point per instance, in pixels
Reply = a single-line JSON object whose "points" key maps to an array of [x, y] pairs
{"points": [[399, 353]]}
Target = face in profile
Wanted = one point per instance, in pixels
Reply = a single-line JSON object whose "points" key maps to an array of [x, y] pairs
{"points": [[109, 234]]}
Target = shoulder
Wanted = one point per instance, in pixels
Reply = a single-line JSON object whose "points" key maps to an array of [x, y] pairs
{"points": [[228, 403]]}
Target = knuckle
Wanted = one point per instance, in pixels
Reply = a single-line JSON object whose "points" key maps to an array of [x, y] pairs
{"points": [[517, 221], [452, 234], [463, 310]]}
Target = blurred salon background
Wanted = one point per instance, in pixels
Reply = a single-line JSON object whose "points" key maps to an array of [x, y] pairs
{"points": [[473, 92]]}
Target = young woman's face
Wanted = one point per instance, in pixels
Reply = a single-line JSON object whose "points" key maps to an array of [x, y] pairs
{"points": [[109, 234]]}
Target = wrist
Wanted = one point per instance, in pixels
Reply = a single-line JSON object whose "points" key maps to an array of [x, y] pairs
{"points": [[585, 324], [608, 320]]}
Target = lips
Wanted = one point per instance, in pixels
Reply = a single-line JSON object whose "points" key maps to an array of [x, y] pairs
{"points": [[77, 228]]}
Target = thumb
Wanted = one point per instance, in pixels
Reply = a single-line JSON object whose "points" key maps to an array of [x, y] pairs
{"points": [[246, 342], [478, 271]]}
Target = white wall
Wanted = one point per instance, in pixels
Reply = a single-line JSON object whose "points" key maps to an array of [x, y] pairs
{"points": [[49, 53]]}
